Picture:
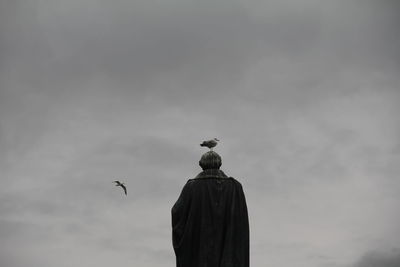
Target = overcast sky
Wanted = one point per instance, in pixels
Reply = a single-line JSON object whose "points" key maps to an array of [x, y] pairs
{"points": [[304, 96]]}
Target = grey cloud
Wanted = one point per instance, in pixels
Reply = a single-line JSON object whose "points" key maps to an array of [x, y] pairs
{"points": [[214, 40], [303, 94], [122, 45]]}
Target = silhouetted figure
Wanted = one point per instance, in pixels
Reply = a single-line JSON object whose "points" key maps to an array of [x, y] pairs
{"points": [[118, 183], [210, 143], [210, 224]]}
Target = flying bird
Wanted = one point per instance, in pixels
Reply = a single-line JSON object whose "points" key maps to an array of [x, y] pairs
{"points": [[118, 183], [210, 143]]}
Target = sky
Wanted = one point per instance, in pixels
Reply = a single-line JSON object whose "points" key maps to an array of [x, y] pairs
{"points": [[304, 96]]}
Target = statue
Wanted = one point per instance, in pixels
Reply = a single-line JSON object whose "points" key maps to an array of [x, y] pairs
{"points": [[210, 224]]}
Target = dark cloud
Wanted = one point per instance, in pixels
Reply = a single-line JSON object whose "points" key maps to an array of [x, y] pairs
{"points": [[375, 258]]}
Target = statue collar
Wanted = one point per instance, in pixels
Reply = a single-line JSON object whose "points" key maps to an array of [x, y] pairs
{"points": [[211, 173]]}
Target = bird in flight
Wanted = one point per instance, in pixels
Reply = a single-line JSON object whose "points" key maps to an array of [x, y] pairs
{"points": [[118, 183], [210, 143]]}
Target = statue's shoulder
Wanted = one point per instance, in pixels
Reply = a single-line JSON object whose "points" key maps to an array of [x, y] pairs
{"points": [[191, 182], [235, 181]]}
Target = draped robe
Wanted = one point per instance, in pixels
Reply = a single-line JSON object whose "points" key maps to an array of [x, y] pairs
{"points": [[210, 226]]}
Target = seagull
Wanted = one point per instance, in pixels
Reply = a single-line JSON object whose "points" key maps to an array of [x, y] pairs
{"points": [[118, 183], [210, 143]]}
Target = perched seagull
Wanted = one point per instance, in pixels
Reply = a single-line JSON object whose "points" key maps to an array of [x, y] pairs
{"points": [[118, 183], [210, 143]]}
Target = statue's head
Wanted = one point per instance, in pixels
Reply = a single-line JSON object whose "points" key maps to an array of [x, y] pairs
{"points": [[210, 160]]}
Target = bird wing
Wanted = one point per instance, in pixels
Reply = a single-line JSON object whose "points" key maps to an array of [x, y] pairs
{"points": [[206, 143], [123, 187], [210, 143]]}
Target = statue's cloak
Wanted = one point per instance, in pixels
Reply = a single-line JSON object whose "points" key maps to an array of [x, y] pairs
{"points": [[210, 226]]}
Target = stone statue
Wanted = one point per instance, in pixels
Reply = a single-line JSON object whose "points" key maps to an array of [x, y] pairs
{"points": [[210, 225]]}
